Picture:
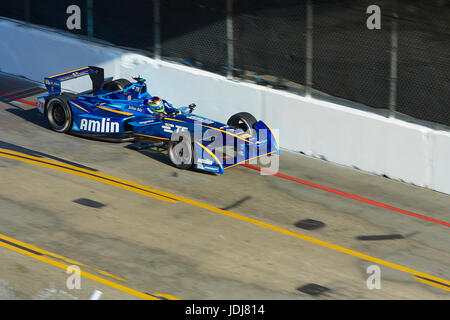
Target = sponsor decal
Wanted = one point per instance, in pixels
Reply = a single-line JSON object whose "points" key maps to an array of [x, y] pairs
{"points": [[205, 161], [135, 109], [148, 121], [170, 128], [181, 128], [73, 75], [213, 169], [40, 105], [207, 121], [104, 126], [51, 83]]}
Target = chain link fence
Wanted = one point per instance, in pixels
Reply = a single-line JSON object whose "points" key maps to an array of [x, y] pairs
{"points": [[127, 23], [303, 46], [194, 33], [350, 61], [424, 60], [269, 41]]}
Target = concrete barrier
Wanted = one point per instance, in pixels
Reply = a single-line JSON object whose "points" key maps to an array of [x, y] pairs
{"points": [[439, 158], [398, 149]]}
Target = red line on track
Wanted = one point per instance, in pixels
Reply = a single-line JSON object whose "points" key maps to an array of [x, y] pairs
{"points": [[19, 100], [348, 195]]}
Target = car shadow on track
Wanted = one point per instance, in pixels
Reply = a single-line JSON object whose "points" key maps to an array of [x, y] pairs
{"points": [[161, 156], [38, 154], [23, 93], [30, 115]]}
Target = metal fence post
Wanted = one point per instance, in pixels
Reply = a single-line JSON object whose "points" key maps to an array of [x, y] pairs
{"points": [[309, 47], [90, 18], [157, 29], [394, 60], [230, 40]]}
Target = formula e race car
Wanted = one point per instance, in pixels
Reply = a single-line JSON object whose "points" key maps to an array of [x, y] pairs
{"points": [[119, 110]]}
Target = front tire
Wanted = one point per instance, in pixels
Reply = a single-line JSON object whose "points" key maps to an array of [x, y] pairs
{"points": [[59, 114], [181, 151], [244, 121]]}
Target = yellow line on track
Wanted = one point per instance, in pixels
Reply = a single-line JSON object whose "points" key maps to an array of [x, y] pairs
{"points": [[241, 218], [82, 273], [313, 240], [127, 185], [57, 256], [437, 285]]}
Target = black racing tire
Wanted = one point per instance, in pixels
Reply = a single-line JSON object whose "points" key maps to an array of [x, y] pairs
{"points": [[116, 85], [181, 151], [244, 121], [59, 114]]}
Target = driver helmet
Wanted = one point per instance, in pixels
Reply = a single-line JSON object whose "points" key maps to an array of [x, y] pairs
{"points": [[156, 104]]}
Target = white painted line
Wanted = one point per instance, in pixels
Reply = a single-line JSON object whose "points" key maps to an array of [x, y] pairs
{"points": [[95, 295]]}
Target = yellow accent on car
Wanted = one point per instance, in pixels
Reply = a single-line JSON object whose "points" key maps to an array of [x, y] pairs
{"points": [[57, 75], [231, 134], [249, 159], [116, 111], [210, 152], [145, 135], [79, 106]]}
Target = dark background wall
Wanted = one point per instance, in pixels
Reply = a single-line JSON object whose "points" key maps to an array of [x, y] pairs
{"points": [[349, 60]]}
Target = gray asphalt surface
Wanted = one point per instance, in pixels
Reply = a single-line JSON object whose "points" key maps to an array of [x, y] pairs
{"points": [[189, 251]]}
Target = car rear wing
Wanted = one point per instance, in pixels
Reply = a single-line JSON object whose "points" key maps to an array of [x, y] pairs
{"points": [[53, 83]]}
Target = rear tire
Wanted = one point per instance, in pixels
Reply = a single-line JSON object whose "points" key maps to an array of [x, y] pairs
{"points": [[116, 85], [181, 151], [244, 121], [59, 114]]}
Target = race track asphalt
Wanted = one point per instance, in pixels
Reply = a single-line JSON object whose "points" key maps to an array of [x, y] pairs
{"points": [[144, 229]]}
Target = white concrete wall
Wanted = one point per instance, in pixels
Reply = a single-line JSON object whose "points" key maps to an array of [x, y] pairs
{"points": [[347, 136], [440, 161]]}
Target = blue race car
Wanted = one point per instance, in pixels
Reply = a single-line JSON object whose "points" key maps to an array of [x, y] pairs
{"points": [[119, 110]]}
